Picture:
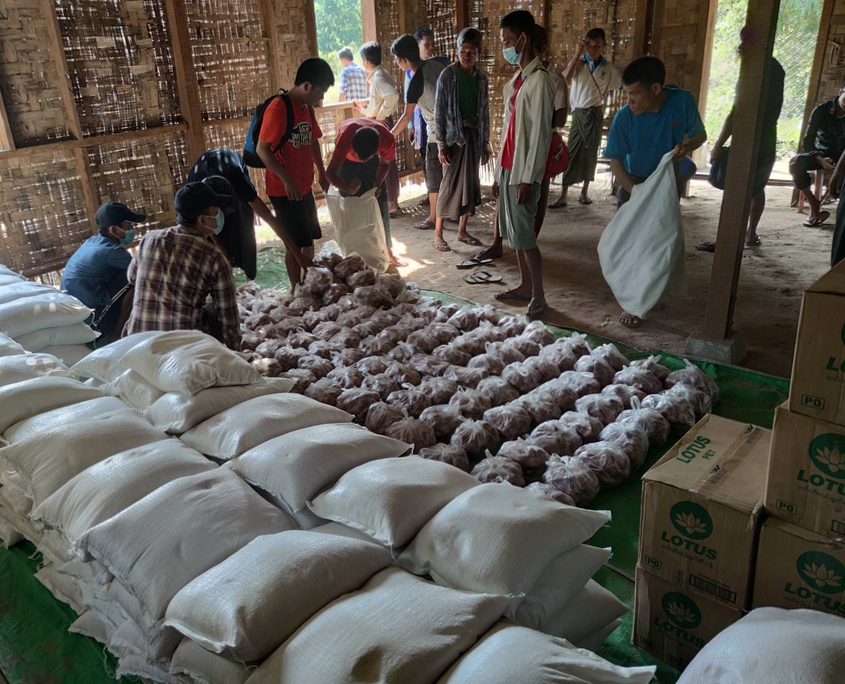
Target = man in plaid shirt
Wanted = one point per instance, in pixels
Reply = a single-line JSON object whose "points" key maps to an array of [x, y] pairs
{"points": [[176, 269], [353, 79]]}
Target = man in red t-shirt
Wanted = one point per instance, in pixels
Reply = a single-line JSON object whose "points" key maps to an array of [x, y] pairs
{"points": [[361, 160], [290, 171]]}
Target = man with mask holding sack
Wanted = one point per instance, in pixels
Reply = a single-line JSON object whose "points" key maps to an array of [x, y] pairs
{"points": [[176, 269]]}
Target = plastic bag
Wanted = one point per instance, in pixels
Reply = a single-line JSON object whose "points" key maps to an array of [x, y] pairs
{"points": [[541, 406], [498, 391], [559, 354], [631, 439], [639, 378], [537, 331], [587, 427], [347, 376], [543, 489], [288, 357], [653, 365], [422, 341], [329, 255], [302, 339], [319, 366], [470, 343], [524, 345], [486, 314], [361, 279], [412, 431], [347, 357], [573, 477], [694, 377], [439, 390], [334, 294], [641, 251], [464, 320], [346, 339], [578, 343], [511, 421], [556, 438], [372, 365], [268, 367], [647, 419], [373, 295], [465, 377], [498, 469], [446, 453], [411, 400], [444, 420], [267, 348], [403, 352], [326, 391], [700, 401], [607, 460], [489, 364], [373, 346], [381, 416], [452, 353], [476, 437], [359, 229], [623, 392], [317, 281], [302, 304], [393, 283], [402, 374], [303, 378], [581, 383], [470, 403], [546, 369], [561, 392], [357, 401], [596, 365], [604, 407], [522, 377], [529, 456], [507, 354], [611, 354], [513, 325], [677, 410], [320, 348]]}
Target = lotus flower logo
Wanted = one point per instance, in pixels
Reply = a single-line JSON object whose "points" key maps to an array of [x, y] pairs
{"points": [[822, 572], [691, 520], [828, 454], [681, 610]]}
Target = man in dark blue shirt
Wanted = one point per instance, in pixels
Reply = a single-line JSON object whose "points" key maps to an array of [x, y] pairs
{"points": [[96, 273]]}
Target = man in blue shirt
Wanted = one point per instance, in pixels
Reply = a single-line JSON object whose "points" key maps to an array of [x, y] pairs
{"points": [[96, 273], [353, 78], [655, 120]]}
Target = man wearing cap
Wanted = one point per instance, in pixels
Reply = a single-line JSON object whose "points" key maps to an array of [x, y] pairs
{"points": [[96, 273], [176, 269]]}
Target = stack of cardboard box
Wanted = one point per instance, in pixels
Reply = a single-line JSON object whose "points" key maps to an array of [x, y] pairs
{"points": [[801, 561], [700, 518]]}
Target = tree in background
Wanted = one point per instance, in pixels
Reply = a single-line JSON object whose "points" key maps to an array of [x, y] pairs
{"points": [[338, 25], [795, 43]]}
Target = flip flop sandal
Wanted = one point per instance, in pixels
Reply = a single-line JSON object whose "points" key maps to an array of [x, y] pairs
{"points": [[634, 324], [424, 225], [511, 296], [470, 240], [817, 220], [474, 261], [706, 247], [537, 311], [756, 242], [482, 278], [441, 245], [483, 255], [585, 200], [396, 214], [558, 205]]}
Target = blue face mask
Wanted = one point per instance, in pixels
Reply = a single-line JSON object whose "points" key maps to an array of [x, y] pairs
{"points": [[128, 237], [220, 221], [511, 55]]}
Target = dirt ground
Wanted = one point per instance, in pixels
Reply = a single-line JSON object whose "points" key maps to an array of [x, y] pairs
{"points": [[771, 284]]}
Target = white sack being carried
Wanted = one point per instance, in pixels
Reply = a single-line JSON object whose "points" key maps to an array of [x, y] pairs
{"points": [[392, 499], [498, 538], [27, 366], [295, 467], [115, 483], [359, 227], [246, 606], [774, 645], [67, 415], [642, 249], [397, 628], [508, 654], [28, 398], [245, 426], [204, 667], [37, 340], [48, 310], [170, 537], [103, 365]]}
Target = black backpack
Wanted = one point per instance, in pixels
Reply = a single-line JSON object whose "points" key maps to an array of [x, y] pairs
{"points": [[251, 157]]}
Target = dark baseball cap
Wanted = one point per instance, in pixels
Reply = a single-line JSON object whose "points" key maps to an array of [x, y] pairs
{"points": [[194, 198], [115, 213]]}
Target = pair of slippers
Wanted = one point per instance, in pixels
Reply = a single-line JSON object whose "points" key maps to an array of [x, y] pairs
{"points": [[815, 221]]}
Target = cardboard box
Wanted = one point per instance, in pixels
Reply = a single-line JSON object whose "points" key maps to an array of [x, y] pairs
{"points": [[701, 507], [806, 480], [818, 371], [673, 624], [797, 568]]}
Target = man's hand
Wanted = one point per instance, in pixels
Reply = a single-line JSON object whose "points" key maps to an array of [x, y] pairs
{"points": [[827, 163], [444, 156], [486, 154], [291, 189], [523, 192], [304, 262], [582, 47], [680, 152], [716, 152], [495, 189], [353, 186], [836, 181], [324, 182]]}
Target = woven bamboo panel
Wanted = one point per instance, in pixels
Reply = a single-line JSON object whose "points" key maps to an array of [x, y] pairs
{"points": [[290, 28], [144, 174], [832, 75], [28, 77], [681, 42], [230, 57], [42, 215], [569, 22], [121, 66], [232, 135]]}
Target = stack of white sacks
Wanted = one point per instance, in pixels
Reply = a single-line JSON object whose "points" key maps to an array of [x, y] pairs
{"points": [[304, 556], [43, 319]]}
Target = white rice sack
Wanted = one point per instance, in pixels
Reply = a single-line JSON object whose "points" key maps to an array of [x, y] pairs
{"points": [[204, 667], [137, 665], [295, 467], [20, 526], [498, 538], [78, 333], [134, 390], [246, 606], [67, 415], [8, 347], [591, 609], [48, 460], [595, 640], [28, 398], [115, 483], [69, 354], [14, 497], [11, 290], [236, 430], [173, 535], [88, 624], [559, 584], [9, 535], [774, 645], [177, 413], [27, 366], [509, 654], [392, 499], [397, 628], [188, 361], [104, 364], [49, 310]]}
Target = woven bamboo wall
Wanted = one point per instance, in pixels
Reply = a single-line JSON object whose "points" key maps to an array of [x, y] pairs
{"points": [[831, 74]]}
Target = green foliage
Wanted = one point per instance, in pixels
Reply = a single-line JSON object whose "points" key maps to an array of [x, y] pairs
{"points": [[338, 25], [795, 42]]}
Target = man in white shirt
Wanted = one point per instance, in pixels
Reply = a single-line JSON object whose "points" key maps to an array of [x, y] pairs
{"points": [[590, 77], [527, 132], [384, 96]]}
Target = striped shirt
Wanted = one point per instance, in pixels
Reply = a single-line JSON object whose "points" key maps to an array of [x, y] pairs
{"points": [[174, 272], [448, 122], [353, 82]]}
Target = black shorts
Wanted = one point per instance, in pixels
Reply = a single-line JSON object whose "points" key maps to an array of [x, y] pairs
{"points": [[299, 219], [433, 168]]}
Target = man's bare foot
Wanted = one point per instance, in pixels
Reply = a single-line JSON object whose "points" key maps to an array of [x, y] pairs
{"points": [[536, 307], [630, 321], [517, 295], [490, 253], [395, 260]]}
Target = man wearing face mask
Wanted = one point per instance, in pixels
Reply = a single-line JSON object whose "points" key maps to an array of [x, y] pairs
{"points": [[96, 273], [176, 269]]}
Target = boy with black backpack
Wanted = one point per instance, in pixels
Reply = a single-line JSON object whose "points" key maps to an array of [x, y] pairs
{"points": [[288, 145]]}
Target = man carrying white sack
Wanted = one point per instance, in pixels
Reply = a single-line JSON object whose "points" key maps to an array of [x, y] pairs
{"points": [[177, 269]]}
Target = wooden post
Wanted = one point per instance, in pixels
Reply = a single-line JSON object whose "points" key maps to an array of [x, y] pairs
{"points": [[402, 17], [818, 61], [271, 36], [311, 29], [369, 20], [749, 108], [186, 78], [7, 140], [74, 124]]}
